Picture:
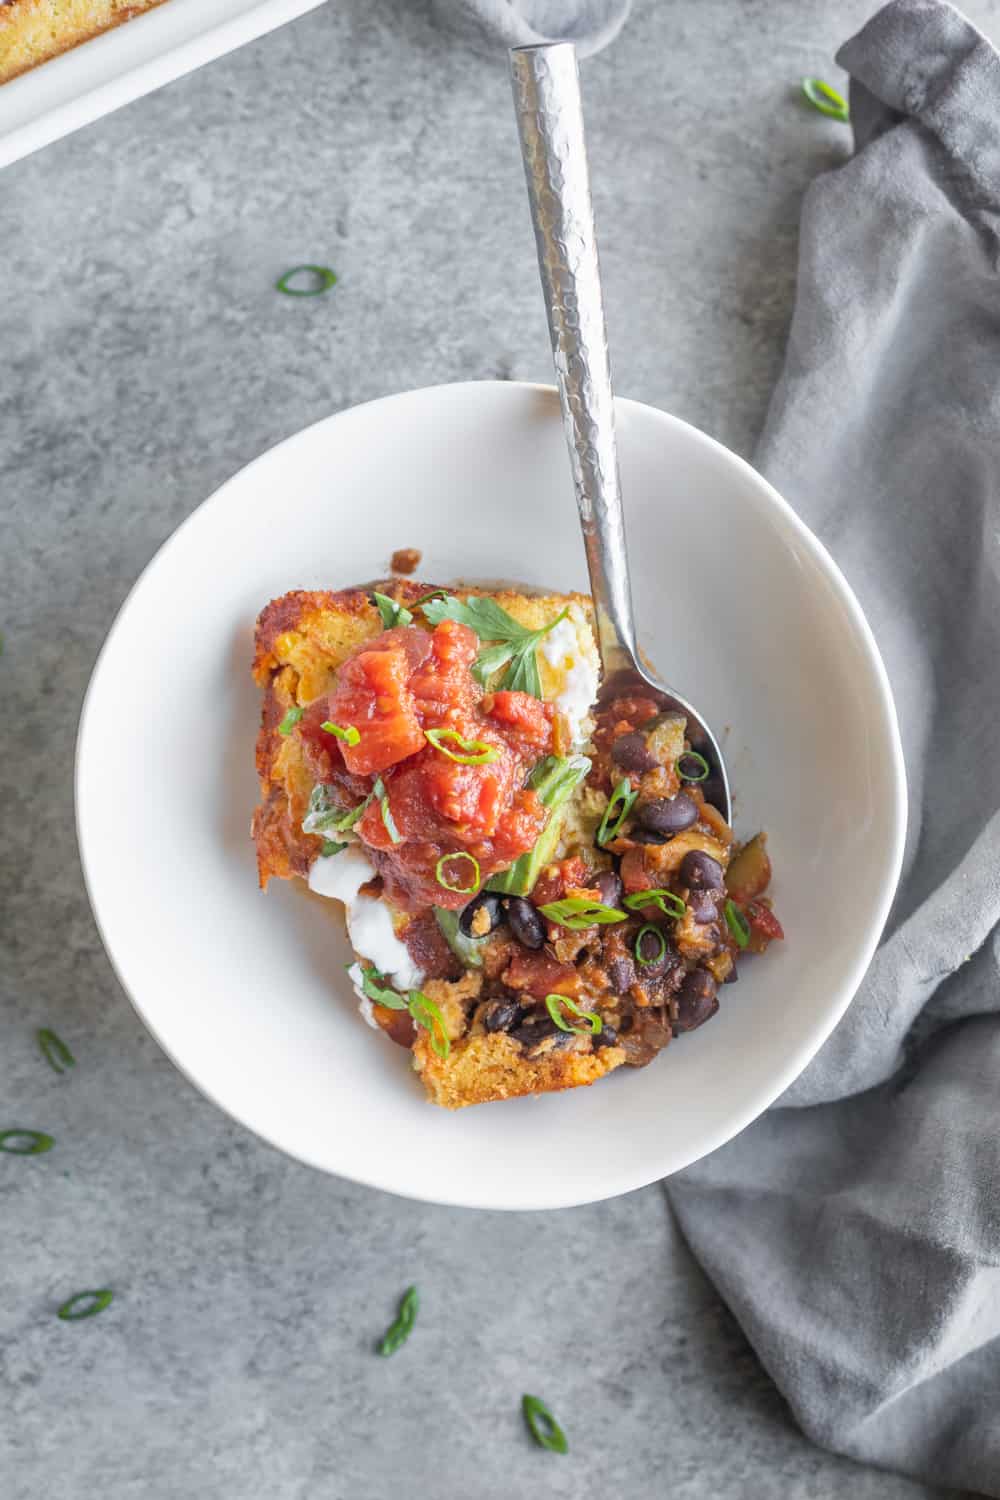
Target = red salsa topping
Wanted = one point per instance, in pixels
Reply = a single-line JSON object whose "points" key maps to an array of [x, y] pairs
{"points": [[394, 688]]}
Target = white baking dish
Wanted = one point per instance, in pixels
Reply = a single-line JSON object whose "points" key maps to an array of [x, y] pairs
{"points": [[133, 59]]}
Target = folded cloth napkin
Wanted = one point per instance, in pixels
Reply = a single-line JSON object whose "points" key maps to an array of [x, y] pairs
{"points": [[855, 1229], [487, 24]]}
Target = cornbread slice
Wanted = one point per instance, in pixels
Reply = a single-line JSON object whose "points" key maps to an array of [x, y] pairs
{"points": [[301, 640], [32, 31]]}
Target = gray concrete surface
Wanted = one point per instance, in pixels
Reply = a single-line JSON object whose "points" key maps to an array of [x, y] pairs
{"points": [[143, 358]]}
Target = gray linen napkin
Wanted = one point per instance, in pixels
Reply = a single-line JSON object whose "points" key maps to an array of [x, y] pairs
{"points": [[855, 1229], [487, 24]]}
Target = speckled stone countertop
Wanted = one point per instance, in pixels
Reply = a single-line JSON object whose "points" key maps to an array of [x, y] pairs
{"points": [[144, 357]]}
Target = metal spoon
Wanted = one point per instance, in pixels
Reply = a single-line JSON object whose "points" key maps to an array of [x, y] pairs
{"points": [[550, 122]]}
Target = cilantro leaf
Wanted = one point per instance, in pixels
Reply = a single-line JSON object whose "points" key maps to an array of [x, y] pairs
{"points": [[484, 616], [422, 1009], [523, 676], [325, 815], [516, 644], [491, 660], [376, 991]]}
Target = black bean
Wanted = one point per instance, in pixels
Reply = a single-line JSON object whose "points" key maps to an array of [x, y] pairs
{"points": [[525, 922], [667, 814], [647, 946], [703, 908], [606, 1037], [713, 793], [501, 1015], [647, 836], [631, 752], [621, 975], [697, 1000], [488, 901], [700, 872], [535, 1028], [609, 884], [657, 964]]}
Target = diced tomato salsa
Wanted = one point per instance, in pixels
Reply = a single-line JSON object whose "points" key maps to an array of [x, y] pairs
{"points": [[558, 878], [539, 974], [391, 691]]}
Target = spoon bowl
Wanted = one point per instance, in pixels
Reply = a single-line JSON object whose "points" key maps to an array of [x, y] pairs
{"points": [[642, 682]]}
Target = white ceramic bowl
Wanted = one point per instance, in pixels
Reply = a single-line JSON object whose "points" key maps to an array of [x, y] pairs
{"points": [[738, 604]]}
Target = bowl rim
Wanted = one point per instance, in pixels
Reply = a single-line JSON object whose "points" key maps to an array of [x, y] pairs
{"points": [[897, 812]]}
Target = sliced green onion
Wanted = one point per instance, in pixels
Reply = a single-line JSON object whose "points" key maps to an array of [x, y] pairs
{"points": [[348, 820], [468, 949], [85, 1305], [322, 280], [55, 1051], [702, 764], [473, 752], [392, 613], [617, 810], [399, 1331], [425, 1013], [668, 903], [557, 777], [737, 924], [290, 720], [426, 598], [824, 97], [577, 912], [382, 796], [440, 873], [350, 735], [556, 1004], [25, 1142], [661, 950], [330, 847], [543, 1426]]}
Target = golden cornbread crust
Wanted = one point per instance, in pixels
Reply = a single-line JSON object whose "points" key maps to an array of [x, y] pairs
{"points": [[301, 640], [494, 1066], [32, 31]]}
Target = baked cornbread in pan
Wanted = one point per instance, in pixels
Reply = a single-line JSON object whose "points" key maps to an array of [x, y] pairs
{"points": [[32, 31]]}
